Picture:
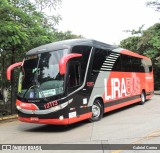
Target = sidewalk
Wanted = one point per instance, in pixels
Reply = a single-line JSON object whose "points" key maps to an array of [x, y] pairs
{"points": [[14, 116], [157, 92]]}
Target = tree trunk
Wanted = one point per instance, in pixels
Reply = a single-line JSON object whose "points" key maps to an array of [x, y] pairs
{"points": [[3, 80], [13, 96]]}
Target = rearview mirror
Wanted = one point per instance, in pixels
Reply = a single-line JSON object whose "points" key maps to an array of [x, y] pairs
{"points": [[63, 62], [10, 68]]}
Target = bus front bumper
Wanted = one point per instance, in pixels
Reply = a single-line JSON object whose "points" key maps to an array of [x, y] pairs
{"points": [[60, 121]]}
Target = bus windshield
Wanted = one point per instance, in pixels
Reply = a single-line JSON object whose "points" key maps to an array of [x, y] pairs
{"points": [[39, 76]]}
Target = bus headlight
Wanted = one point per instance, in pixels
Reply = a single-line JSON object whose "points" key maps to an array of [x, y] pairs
{"points": [[18, 107]]}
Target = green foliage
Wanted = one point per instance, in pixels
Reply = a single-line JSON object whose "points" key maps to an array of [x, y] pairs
{"points": [[139, 31], [66, 35], [129, 43]]}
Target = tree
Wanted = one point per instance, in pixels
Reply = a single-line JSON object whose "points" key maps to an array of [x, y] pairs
{"points": [[51, 4], [66, 35], [134, 32], [45, 6], [12, 34], [154, 4], [130, 43]]}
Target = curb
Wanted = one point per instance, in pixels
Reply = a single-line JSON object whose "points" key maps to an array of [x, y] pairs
{"points": [[8, 117], [157, 92]]}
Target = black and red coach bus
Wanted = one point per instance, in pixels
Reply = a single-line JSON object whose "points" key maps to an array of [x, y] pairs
{"points": [[68, 81]]}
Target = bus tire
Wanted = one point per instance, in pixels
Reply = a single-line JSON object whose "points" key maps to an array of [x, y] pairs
{"points": [[97, 111], [143, 98]]}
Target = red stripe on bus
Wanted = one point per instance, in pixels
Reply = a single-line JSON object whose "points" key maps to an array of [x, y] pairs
{"points": [[127, 52], [56, 121], [82, 117], [108, 109]]}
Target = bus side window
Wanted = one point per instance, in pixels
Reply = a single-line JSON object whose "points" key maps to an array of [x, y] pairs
{"points": [[117, 65], [138, 65], [85, 51], [74, 75], [150, 68], [100, 56], [147, 64], [126, 63]]}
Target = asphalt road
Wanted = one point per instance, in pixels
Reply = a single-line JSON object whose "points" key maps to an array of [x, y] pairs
{"points": [[136, 124]]}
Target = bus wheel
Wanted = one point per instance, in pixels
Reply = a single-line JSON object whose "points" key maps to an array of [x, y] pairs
{"points": [[97, 111], [143, 98]]}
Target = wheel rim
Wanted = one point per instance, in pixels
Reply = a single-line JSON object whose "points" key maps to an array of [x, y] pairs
{"points": [[142, 97], [96, 111]]}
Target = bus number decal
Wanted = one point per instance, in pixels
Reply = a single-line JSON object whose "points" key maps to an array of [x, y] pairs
{"points": [[50, 104]]}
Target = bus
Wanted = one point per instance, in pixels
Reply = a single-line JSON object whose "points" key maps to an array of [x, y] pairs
{"points": [[72, 80]]}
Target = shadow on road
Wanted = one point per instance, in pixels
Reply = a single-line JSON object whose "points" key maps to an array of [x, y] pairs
{"points": [[50, 128]]}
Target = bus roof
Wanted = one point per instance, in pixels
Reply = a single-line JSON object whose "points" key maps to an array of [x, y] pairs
{"points": [[68, 44]]}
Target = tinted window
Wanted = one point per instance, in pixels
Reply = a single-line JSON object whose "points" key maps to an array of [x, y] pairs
{"points": [[74, 75], [147, 64], [126, 63], [85, 51], [100, 56], [150, 68], [137, 65], [117, 65]]}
